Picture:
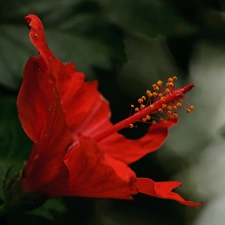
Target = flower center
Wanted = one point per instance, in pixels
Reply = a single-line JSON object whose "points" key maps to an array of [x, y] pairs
{"points": [[163, 103]]}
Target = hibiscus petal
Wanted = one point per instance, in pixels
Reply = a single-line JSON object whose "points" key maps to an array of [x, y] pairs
{"points": [[129, 151], [37, 38], [85, 111], [41, 75], [162, 190], [97, 119], [46, 159], [80, 100], [30, 104], [93, 174], [42, 117]]}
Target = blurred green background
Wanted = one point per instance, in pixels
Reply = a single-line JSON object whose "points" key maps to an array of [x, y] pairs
{"points": [[128, 45]]}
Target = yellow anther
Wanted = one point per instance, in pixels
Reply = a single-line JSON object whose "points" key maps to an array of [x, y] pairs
{"points": [[152, 106], [142, 106], [164, 106], [162, 102], [159, 83], [148, 117], [174, 78], [160, 95], [167, 90], [191, 107], [160, 110], [162, 99], [169, 84], [149, 93], [156, 88], [167, 100], [173, 116], [188, 110]]}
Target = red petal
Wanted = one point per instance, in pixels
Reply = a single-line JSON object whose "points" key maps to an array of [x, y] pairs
{"points": [[37, 38], [80, 100], [93, 174], [30, 103], [162, 190], [46, 159], [86, 111], [36, 101], [42, 117], [130, 151]]}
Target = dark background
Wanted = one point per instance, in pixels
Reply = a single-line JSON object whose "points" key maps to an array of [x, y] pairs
{"points": [[128, 45]]}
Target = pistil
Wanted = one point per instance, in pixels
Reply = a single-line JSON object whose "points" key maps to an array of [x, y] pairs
{"points": [[167, 98]]}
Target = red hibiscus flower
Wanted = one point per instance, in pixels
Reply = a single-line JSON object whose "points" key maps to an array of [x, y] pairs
{"points": [[77, 151]]}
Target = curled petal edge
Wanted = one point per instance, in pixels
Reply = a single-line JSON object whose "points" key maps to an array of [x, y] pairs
{"points": [[162, 190]]}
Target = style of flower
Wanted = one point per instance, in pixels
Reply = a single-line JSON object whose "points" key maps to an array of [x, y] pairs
{"points": [[77, 150]]}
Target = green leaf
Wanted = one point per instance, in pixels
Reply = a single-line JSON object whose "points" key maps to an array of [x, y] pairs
{"points": [[51, 207], [15, 146], [6, 166], [52, 11], [85, 52], [15, 50], [81, 35], [52, 212], [148, 17]]}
